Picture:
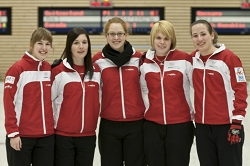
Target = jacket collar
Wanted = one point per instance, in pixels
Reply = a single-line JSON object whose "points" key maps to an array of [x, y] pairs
{"points": [[151, 53], [221, 47], [32, 57], [66, 64]]}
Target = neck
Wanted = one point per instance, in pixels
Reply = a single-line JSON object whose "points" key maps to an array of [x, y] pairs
{"points": [[161, 54], [78, 62], [209, 51]]}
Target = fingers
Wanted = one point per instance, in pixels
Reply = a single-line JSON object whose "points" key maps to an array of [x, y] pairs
{"points": [[234, 139], [16, 143], [20, 143]]}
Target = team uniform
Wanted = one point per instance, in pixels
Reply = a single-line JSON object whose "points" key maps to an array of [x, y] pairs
{"points": [[120, 132], [168, 128], [220, 98], [76, 107], [28, 112]]}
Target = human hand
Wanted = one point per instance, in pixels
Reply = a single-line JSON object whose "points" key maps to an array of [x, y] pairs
{"points": [[234, 133], [16, 143]]}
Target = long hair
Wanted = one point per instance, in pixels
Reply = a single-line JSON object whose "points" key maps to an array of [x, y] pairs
{"points": [[71, 36]]}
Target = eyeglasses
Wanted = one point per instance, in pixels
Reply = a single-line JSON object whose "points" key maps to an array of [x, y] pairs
{"points": [[119, 34]]}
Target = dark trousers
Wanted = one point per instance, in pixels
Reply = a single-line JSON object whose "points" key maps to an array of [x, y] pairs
{"points": [[213, 147], [74, 151], [121, 142], [168, 145], [35, 151]]}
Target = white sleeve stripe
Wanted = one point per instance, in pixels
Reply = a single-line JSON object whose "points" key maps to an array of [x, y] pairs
{"points": [[13, 134]]}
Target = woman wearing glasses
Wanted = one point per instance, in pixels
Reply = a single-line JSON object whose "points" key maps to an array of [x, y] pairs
{"points": [[120, 132]]}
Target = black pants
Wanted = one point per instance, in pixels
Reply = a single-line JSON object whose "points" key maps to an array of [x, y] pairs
{"points": [[74, 151], [35, 151], [168, 145], [121, 141], [213, 147]]}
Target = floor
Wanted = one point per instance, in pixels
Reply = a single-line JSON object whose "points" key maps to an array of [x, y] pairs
{"points": [[193, 156]]}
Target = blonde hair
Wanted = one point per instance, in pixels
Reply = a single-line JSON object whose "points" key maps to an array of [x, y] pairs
{"points": [[167, 29]]}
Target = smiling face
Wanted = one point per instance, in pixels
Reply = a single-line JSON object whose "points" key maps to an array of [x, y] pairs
{"points": [[41, 49], [116, 41], [79, 49], [162, 44], [202, 39]]}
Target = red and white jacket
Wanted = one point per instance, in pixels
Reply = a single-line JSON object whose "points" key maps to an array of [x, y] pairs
{"points": [[76, 103], [220, 88], [167, 94], [121, 94], [27, 98]]}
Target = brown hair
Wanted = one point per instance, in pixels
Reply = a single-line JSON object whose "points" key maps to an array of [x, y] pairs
{"points": [[115, 20], [40, 34], [209, 28], [71, 36]]}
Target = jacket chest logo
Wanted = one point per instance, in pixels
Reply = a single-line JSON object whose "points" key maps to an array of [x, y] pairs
{"points": [[172, 65]]}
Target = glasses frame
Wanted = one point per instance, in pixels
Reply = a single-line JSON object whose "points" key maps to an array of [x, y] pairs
{"points": [[119, 34]]}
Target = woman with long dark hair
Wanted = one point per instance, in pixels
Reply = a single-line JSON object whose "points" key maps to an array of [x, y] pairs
{"points": [[75, 96]]}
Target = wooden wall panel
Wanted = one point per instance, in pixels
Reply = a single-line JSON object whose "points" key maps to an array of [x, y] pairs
{"points": [[178, 12]]}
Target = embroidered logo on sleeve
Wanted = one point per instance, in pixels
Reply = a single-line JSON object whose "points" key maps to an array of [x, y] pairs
{"points": [[240, 76], [9, 79]]}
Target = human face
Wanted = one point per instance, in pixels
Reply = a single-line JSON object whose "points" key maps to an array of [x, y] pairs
{"points": [[41, 49], [116, 42], [162, 44], [79, 49], [202, 40]]}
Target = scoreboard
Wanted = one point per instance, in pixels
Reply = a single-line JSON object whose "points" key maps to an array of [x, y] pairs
{"points": [[61, 20], [225, 21], [5, 21]]}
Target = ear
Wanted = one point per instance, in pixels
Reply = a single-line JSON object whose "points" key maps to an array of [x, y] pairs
{"points": [[31, 46], [212, 35]]}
